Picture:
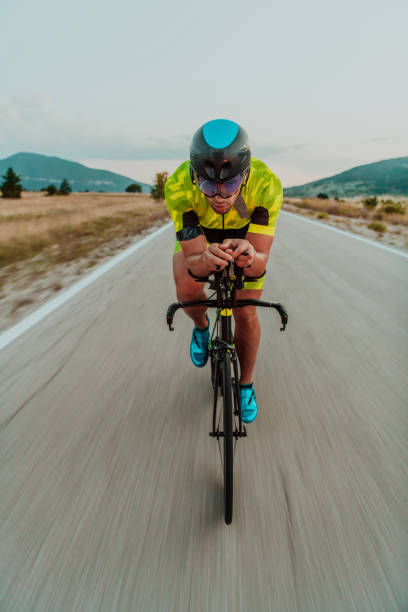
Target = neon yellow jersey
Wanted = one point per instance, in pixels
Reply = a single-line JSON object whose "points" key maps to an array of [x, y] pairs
{"points": [[255, 210]]}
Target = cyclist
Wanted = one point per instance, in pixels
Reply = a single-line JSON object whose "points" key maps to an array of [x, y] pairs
{"points": [[224, 205]]}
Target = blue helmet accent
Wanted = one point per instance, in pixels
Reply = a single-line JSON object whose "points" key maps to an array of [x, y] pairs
{"points": [[220, 133]]}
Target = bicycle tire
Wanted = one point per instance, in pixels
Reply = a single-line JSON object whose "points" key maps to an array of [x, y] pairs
{"points": [[228, 439]]}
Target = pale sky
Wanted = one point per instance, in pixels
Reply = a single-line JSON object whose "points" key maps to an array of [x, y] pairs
{"points": [[320, 86]]}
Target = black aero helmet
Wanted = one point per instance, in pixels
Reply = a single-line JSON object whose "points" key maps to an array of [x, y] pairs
{"points": [[219, 151]]}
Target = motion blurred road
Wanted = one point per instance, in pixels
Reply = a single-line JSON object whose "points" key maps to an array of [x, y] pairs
{"points": [[111, 488]]}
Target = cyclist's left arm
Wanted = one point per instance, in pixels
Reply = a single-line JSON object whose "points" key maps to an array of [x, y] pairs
{"points": [[256, 248], [261, 230]]}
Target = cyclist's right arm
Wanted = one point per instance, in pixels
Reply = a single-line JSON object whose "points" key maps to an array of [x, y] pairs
{"points": [[179, 194]]}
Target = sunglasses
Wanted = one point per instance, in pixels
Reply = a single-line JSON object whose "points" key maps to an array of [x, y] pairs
{"points": [[225, 190]]}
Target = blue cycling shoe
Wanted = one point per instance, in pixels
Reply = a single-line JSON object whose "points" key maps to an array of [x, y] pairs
{"points": [[199, 345], [249, 407]]}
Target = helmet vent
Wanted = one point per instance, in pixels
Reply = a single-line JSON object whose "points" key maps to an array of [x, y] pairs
{"points": [[225, 171], [210, 170]]}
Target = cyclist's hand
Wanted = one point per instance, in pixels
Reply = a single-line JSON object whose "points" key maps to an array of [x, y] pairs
{"points": [[215, 256], [242, 251]]}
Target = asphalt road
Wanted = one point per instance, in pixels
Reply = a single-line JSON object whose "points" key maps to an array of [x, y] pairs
{"points": [[111, 489]]}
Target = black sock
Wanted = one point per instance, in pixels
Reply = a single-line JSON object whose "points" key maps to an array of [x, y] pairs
{"points": [[246, 386]]}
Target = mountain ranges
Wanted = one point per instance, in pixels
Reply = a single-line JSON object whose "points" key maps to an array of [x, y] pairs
{"points": [[38, 171]]}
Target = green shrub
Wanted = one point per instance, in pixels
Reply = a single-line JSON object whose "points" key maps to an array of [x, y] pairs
{"points": [[370, 203], [134, 188], [392, 208], [51, 189], [377, 227], [322, 196], [322, 215]]}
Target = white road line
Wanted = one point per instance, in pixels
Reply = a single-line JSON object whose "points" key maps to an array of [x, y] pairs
{"points": [[349, 234], [14, 332]]}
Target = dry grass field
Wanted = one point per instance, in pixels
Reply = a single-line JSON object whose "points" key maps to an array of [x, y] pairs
{"points": [[67, 227], [46, 242], [351, 214]]}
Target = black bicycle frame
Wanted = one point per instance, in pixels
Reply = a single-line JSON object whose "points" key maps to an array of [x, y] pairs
{"points": [[223, 354], [226, 287], [219, 347]]}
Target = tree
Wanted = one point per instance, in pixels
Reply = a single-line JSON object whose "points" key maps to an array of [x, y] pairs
{"points": [[11, 186], [322, 196], [65, 187], [51, 189], [157, 192], [134, 188]]}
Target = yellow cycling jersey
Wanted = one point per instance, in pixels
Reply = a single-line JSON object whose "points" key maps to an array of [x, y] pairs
{"points": [[255, 210]]}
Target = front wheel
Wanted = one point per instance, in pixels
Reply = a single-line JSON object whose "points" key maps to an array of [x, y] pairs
{"points": [[228, 438], [214, 368]]}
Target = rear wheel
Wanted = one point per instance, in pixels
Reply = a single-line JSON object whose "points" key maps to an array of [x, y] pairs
{"points": [[228, 438]]}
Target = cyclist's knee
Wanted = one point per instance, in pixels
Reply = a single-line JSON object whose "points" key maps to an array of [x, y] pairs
{"points": [[186, 292], [186, 287], [246, 315]]}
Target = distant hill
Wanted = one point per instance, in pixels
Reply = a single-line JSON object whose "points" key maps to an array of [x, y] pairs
{"points": [[38, 171], [388, 177]]}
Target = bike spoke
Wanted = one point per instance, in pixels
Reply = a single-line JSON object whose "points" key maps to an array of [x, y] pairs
{"points": [[221, 455]]}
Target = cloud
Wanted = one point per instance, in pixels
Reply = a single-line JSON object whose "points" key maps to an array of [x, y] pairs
{"points": [[271, 150], [379, 139], [172, 148], [33, 123]]}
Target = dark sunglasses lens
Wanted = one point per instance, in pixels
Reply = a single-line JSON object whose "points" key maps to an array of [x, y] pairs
{"points": [[210, 189], [207, 187], [232, 185]]}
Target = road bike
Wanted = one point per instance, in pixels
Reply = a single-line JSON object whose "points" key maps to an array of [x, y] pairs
{"points": [[227, 425]]}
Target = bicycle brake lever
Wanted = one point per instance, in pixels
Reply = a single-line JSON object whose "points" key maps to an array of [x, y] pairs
{"points": [[284, 317], [170, 314]]}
